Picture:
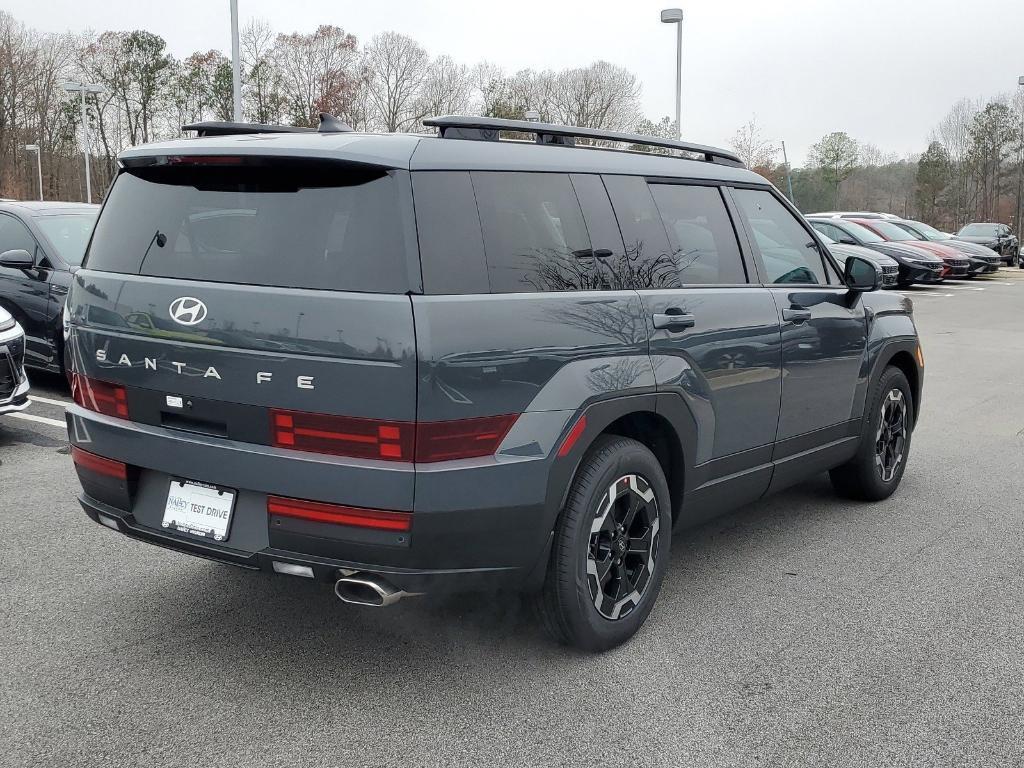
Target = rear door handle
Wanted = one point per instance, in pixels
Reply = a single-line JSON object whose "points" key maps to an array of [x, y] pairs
{"points": [[673, 321], [796, 315]]}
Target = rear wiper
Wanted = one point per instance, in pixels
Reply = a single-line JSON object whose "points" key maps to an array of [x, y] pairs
{"points": [[160, 239]]}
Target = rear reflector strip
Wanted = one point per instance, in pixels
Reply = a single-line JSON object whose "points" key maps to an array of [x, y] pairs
{"points": [[389, 440], [573, 436], [462, 438], [319, 512], [99, 396], [99, 464]]}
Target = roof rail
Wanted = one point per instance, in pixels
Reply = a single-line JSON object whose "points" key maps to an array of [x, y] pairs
{"points": [[328, 124], [489, 128]]}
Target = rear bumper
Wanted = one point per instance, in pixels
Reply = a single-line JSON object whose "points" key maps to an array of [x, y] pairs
{"points": [[489, 528], [324, 569]]}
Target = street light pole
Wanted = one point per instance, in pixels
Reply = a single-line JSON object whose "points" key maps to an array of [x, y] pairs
{"points": [[236, 65], [675, 16], [1020, 172], [82, 89], [39, 165]]}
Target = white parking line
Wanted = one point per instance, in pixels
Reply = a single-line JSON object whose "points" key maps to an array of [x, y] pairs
{"points": [[39, 419], [50, 400]]}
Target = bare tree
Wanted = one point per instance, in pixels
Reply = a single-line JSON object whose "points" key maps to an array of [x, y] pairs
{"points": [[396, 69], [319, 72], [447, 88], [753, 148], [262, 91]]}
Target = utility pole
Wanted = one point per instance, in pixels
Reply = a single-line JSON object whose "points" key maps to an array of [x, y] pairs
{"points": [[236, 65], [789, 176]]}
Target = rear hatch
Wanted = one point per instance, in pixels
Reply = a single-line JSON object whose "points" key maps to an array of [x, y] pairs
{"points": [[244, 299]]}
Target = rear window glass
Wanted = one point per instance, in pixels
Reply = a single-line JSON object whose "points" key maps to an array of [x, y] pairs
{"points": [[295, 225], [704, 246], [535, 238]]}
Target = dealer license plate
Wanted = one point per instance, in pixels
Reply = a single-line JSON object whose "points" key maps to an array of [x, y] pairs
{"points": [[199, 509]]}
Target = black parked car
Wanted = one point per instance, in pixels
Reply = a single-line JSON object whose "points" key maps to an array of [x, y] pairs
{"points": [[998, 237], [13, 381], [41, 245], [461, 362], [916, 264], [982, 260]]}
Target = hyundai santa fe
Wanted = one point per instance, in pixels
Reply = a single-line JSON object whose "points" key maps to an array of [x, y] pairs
{"points": [[406, 364]]}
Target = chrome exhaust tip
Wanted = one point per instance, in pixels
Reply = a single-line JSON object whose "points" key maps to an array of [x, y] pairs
{"points": [[368, 589]]}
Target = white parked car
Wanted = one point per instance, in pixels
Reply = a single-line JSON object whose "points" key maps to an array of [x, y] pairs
{"points": [[13, 381]]}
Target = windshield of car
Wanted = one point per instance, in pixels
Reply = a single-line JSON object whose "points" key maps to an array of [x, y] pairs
{"points": [[928, 231], [69, 234], [862, 233], [980, 230], [890, 231]]}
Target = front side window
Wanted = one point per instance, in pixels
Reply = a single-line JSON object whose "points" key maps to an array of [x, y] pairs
{"points": [[788, 251], [535, 238], [14, 236], [704, 245]]}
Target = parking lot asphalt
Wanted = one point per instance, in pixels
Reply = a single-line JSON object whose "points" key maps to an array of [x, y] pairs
{"points": [[802, 630]]}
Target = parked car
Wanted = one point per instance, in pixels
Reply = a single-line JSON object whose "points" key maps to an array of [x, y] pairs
{"points": [[998, 237], [855, 215], [41, 245], [916, 265], [981, 260], [889, 266], [13, 381], [957, 266], [501, 364]]}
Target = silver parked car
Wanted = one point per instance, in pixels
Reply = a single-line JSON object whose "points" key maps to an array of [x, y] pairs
{"points": [[13, 381]]}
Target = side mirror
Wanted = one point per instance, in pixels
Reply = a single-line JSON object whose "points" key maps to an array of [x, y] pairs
{"points": [[847, 240], [17, 259], [861, 275]]}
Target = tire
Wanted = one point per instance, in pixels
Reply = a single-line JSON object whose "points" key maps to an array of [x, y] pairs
{"points": [[574, 603], [874, 474]]}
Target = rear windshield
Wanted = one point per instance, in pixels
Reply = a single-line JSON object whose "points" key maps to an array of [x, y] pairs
{"points": [[296, 225]]}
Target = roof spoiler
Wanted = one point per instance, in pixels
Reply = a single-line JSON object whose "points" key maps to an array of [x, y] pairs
{"points": [[489, 129], [328, 124]]}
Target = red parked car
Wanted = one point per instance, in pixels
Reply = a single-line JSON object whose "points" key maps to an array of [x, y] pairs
{"points": [[956, 264]]}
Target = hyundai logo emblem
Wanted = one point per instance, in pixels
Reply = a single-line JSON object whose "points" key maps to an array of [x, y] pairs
{"points": [[187, 310]]}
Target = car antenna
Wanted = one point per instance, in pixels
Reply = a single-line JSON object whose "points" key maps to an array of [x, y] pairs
{"points": [[330, 124]]}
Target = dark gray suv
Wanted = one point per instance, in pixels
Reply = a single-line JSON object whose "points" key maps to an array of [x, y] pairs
{"points": [[405, 364]]}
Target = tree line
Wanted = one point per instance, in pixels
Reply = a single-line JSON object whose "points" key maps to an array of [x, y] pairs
{"points": [[388, 83], [966, 171]]}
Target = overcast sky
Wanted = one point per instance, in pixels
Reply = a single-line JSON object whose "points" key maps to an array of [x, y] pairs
{"points": [[885, 71]]}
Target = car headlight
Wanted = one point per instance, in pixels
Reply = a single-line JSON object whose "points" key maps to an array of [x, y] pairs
{"points": [[6, 323], [65, 322]]}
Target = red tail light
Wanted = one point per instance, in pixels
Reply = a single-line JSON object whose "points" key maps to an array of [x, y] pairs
{"points": [[99, 464], [389, 440], [337, 514], [462, 438], [343, 436], [100, 396]]}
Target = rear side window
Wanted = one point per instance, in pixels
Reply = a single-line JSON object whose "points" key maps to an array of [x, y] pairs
{"points": [[535, 238], [295, 225], [648, 262], [704, 245], [788, 252]]}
